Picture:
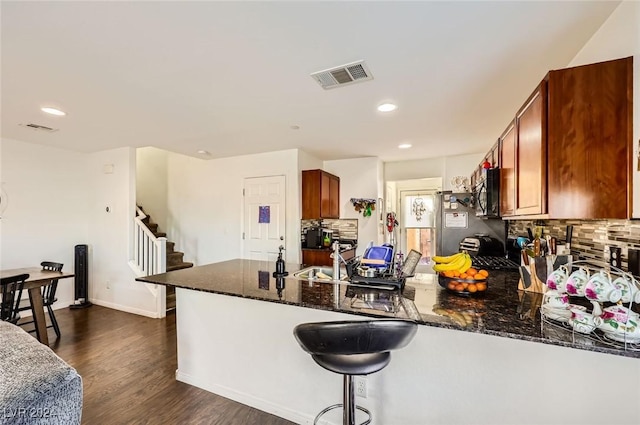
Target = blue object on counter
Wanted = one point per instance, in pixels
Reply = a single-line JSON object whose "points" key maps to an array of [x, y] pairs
{"points": [[384, 252], [522, 242]]}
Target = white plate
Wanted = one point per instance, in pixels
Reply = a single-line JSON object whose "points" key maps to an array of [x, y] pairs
{"points": [[621, 337], [555, 313]]}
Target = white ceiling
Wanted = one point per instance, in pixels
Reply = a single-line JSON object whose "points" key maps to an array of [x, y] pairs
{"points": [[233, 77]]}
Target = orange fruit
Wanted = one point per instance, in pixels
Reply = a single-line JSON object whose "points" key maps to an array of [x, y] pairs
{"points": [[484, 273], [448, 273], [451, 285], [479, 276], [456, 273], [463, 275], [464, 285], [481, 286], [471, 271], [459, 287], [472, 287]]}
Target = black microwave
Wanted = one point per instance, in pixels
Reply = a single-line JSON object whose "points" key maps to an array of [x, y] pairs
{"points": [[487, 193]]}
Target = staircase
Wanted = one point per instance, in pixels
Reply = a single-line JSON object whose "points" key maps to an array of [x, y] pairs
{"points": [[175, 259]]}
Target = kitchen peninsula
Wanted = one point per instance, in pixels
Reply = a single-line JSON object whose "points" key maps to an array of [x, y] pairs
{"points": [[495, 365]]}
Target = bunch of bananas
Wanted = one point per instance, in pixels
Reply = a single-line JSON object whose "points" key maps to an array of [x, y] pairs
{"points": [[460, 261]]}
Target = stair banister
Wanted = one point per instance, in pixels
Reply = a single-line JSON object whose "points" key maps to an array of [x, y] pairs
{"points": [[149, 252]]}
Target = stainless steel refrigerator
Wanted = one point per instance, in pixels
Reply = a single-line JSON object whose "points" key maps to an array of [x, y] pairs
{"points": [[457, 219]]}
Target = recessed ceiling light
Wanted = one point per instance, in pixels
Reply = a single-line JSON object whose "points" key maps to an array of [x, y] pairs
{"points": [[387, 107], [203, 152], [53, 111], [295, 127], [405, 146]]}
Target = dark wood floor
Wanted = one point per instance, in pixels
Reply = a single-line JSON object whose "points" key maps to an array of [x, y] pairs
{"points": [[128, 363]]}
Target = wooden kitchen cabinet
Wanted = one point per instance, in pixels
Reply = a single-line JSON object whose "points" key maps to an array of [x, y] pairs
{"points": [[570, 149], [320, 195], [531, 154], [322, 257], [590, 140], [508, 171]]}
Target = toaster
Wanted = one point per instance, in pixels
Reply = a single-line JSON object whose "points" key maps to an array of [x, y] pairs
{"points": [[482, 246]]}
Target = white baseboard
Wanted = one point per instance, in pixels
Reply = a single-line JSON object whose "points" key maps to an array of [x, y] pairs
{"points": [[127, 309], [61, 303], [247, 399]]}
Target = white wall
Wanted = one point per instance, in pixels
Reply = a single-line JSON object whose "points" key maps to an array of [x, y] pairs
{"points": [[359, 179], [152, 184], [460, 165], [46, 208], [414, 169], [306, 161], [619, 37], [205, 203], [445, 167], [112, 282], [58, 199]]}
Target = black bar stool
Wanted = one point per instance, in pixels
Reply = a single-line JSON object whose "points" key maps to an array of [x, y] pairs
{"points": [[352, 348]]}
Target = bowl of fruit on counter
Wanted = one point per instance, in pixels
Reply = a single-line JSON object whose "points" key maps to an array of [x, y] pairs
{"points": [[456, 275]]}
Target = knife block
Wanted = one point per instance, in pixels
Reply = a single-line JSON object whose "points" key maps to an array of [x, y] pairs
{"points": [[533, 277], [530, 280]]}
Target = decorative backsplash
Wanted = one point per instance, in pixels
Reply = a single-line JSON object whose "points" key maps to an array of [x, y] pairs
{"points": [[343, 228], [590, 238]]}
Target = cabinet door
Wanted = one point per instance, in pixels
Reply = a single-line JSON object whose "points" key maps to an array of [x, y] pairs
{"points": [[508, 171], [590, 142], [316, 257], [334, 196], [311, 194], [531, 154], [325, 196]]}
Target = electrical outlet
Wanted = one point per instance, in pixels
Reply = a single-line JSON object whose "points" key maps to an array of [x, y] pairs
{"points": [[361, 387]]}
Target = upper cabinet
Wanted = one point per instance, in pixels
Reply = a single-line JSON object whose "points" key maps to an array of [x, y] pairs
{"points": [[568, 153], [531, 154], [320, 195], [508, 171], [590, 140]]}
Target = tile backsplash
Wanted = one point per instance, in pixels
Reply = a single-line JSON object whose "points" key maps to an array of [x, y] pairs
{"points": [[343, 228], [590, 238]]}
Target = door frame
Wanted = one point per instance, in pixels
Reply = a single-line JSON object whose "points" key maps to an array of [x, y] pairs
{"points": [[402, 192]]}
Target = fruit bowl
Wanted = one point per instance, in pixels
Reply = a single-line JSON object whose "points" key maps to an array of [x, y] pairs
{"points": [[463, 287]]}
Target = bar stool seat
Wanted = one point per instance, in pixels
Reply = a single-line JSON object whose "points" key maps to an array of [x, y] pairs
{"points": [[353, 348]]}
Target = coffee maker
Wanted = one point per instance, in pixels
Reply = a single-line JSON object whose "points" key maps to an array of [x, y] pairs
{"points": [[313, 238]]}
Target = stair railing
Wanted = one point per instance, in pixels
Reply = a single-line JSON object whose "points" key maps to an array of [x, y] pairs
{"points": [[149, 252]]}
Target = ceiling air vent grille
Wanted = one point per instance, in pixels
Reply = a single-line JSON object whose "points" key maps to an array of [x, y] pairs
{"points": [[342, 75], [39, 127]]}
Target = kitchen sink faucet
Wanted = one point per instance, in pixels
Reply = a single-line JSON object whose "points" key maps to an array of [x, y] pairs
{"points": [[336, 261]]}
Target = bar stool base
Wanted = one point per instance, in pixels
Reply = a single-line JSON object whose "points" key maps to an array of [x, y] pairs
{"points": [[336, 406]]}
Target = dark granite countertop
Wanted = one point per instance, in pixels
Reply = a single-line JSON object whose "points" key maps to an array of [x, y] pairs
{"points": [[502, 310]]}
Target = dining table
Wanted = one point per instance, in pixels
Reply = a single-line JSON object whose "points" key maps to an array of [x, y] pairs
{"points": [[37, 279]]}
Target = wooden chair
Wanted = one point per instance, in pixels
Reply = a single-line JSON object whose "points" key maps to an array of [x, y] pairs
{"points": [[11, 292], [48, 296]]}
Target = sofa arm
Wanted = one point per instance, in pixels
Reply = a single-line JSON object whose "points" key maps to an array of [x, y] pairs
{"points": [[36, 386]]}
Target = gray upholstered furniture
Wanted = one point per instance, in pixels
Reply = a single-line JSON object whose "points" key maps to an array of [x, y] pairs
{"points": [[36, 386]]}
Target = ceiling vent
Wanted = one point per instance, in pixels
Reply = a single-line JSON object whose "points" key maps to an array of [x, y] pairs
{"points": [[343, 75], [39, 127]]}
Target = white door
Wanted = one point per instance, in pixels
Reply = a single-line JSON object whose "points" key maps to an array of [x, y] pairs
{"points": [[417, 224], [264, 217]]}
